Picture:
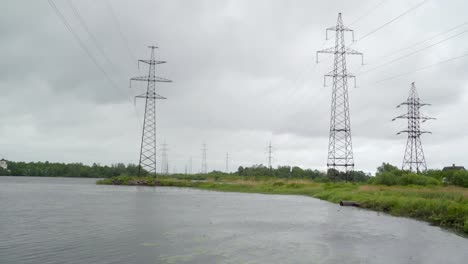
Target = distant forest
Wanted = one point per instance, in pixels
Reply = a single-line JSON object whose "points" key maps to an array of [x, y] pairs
{"points": [[50, 169], [386, 174]]}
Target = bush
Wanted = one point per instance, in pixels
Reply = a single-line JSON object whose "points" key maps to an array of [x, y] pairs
{"points": [[385, 178], [459, 178], [391, 175], [413, 178]]}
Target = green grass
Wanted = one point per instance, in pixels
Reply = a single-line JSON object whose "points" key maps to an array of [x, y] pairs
{"points": [[439, 205]]}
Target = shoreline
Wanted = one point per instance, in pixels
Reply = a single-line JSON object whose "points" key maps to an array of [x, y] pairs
{"points": [[443, 206]]}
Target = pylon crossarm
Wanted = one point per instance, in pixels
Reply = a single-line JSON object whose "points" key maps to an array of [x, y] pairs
{"points": [[151, 62], [150, 79], [156, 96], [328, 50], [331, 75], [425, 132], [355, 52], [338, 28], [400, 116]]}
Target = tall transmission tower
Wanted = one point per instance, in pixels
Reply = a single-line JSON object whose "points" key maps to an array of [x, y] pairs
{"points": [[340, 148], [227, 162], [204, 168], [164, 159], [414, 155], [190, 165], [148, 137], [269, 155]]}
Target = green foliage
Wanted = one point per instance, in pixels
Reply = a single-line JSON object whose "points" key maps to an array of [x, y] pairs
{"points": [[413, 178], [390, 175], [453, 177], [48, 169], [288, 172], [353, 176]]}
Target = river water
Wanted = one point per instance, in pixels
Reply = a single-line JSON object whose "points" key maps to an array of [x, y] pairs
{"points": [[65, 220]]}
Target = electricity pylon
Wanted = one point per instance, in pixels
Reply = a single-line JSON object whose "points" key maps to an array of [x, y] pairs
{"points": [[414, 155], [190, 165], [227, 162], [204, 167], [269, 156], [340, 148], [148, 137], [164, 159]]}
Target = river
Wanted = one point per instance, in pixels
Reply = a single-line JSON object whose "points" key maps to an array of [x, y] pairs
{"points": [[68, 220]]}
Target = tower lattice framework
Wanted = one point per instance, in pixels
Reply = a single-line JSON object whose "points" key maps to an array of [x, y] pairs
{"points": [[148, 152], [204, 167], [340, 148], [414, 159], [164, 159]]}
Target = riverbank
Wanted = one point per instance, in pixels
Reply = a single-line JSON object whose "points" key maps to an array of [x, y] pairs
{"points": [[444, 206]]}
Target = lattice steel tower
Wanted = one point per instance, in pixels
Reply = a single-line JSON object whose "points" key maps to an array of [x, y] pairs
{"points": [[414, 155], [227, 162], [148, 137], [164, 159], [204, 167], [340, 148], [269, 156]]}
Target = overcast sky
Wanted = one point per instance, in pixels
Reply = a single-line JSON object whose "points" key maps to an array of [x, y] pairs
{"points": [[244, 74]]}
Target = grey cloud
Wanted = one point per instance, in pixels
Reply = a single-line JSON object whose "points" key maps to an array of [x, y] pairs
{"points": [[244, 73]]}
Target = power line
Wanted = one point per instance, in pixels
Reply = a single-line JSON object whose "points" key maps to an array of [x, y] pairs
{"points": [[119, 29], [88, 52], [368, 12], [93, 38], [393, 20], [80, 42], [412, 53], [422, 68], [426, 40]]}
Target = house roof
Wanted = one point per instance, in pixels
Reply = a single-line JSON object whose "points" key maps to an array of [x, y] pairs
{"points": [[453, 167]]}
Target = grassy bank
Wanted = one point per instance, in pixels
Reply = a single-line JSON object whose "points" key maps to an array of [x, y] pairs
{"points": [[445, 206]]}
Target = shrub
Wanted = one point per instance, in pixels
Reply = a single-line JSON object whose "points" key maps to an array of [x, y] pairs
{"points": [[390, 175], [413, 178]]}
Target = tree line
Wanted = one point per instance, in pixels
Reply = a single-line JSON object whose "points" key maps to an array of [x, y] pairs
{"points": [[53, 169], [386, 174], [295, 172]]}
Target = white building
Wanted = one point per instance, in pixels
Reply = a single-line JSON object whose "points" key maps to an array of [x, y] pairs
{"points": [[3, 164]]}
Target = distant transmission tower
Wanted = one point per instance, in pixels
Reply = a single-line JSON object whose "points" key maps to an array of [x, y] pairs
{"points": [[190, 165], [414, 155], [340, 148], [227, 162], [204, 168], [269, 155], [164, 159], [148, 137]]}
